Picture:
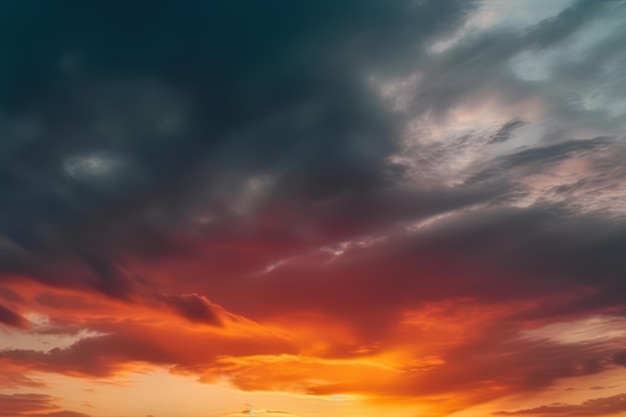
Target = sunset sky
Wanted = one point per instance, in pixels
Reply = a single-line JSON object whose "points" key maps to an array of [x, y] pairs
{"points": [[312, 208]]}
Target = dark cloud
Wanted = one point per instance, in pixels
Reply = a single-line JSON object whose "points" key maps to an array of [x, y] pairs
{"points": [[11, 318], [194, 307], [60, 302], [620, 358], [120, 131], [536, 159], [494, 256], [123, 140], [97, 356], [506, 131]]}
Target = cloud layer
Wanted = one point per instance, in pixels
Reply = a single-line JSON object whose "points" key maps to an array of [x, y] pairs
{"points": [[403, 201]]}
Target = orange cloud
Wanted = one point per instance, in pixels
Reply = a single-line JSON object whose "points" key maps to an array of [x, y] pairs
{"points": [[455, 353]]}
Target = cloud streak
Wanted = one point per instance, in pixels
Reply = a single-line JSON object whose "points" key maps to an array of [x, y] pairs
{"points": [[596, 407], [15, 405]]}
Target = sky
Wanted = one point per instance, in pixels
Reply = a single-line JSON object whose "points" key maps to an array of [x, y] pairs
{"points": [[355, 208]]}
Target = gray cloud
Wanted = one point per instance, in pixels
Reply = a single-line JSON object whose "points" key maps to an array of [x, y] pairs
{"points": [[149, 152], [118, 133], [481, 64]]}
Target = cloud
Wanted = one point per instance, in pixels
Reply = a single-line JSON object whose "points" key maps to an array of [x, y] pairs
{"points": [[456, 348], [483, 363], [10, 295], [620, 358], [194, 307], [11, 318], [595, 407], [495, 255], [242, 191], [14, 376], [137, 139], [254, 412], [131, 190], [155, 338], [506, 130], [41, 405]]}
